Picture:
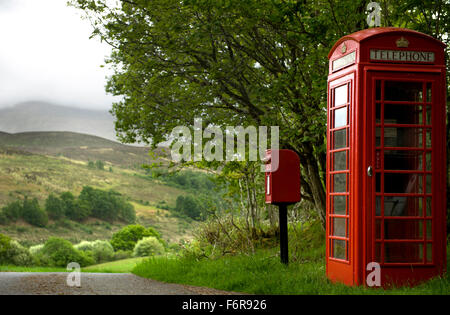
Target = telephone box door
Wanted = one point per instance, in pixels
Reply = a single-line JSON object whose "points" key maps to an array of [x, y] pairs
{"points": [[403, 173]]}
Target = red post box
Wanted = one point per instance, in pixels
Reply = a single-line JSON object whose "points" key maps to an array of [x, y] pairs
{"points": [[386, 165], [282, 189], [282, 177]]}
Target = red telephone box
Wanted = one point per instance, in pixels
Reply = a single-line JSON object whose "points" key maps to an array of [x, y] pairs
{"points": [[386, 165]]}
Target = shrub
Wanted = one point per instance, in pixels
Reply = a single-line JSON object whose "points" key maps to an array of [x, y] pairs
{"points": [[12, 253], [60, 252], [126, 238], [101, 251], [12, 211], [122, 254], [5, 245], [19, 255], [148, 246], [33, 214], [84, 246], [189, 206], [74, 209], [36, 249], [54, 207]]}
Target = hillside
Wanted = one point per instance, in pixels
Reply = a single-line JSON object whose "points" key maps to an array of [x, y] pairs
{"points": [[37, 164], [42, 116], [80, 147]]}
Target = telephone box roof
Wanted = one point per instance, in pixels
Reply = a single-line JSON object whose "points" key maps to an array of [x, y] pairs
{"points": [[369, 33]]}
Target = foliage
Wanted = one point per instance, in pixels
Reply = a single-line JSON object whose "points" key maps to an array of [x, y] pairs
{"points": [[58, 252], [54, 207], [107, 205], [127, 237], [33, 214], [189, 206], [148, 246], [12, 211], [12, 253], [36, 249], [101, 251], [122, 254], [74, 209]]}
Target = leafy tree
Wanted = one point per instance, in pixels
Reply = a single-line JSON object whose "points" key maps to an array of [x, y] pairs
{"points": [[100, 165], [188, 206], [13, 211], [75, 209], [127, 237], [33, 214], [237, 63], [60, 252], [54, 207], [148, 246]]}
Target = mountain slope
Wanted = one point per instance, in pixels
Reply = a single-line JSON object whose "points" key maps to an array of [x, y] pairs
{"points": [[79, 147], [41, 116]]}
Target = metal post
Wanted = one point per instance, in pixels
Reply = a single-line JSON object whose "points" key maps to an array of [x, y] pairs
{"points": [[284, 253]]}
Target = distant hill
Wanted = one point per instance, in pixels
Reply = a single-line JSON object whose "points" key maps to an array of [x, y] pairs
{"points": [[42, 116], [81, 147]]}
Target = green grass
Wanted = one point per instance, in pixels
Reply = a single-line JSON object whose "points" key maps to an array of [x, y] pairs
{"points": [[31, 269], [119, 266], [262, 273]]}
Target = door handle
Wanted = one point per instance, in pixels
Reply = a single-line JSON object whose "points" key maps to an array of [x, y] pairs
{"points": [[370, 171]]}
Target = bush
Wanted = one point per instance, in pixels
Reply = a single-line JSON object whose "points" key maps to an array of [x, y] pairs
{"points": [[148, 246], [54, 207], [5, 245], [122, 254], [19, 255], [126, 238], [12, 253], [84, 246], [13, 211], [189, 206], [33, 214], [59, 253], [101, 251], [36, 249], [75, 209]]}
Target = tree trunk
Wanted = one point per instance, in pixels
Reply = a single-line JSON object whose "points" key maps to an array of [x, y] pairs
{"points": [[317, 189]]}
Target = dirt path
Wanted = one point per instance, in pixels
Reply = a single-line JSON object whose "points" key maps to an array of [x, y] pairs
{"points": [[55, 283]]}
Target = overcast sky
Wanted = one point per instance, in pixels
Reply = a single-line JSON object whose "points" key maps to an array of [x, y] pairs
{"points": [[46, 54]]}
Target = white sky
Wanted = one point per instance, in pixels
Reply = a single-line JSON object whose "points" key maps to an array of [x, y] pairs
{"points": [[46, 54]]}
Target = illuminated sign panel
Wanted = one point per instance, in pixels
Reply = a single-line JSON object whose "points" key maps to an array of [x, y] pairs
{"points": [[401, 55]]}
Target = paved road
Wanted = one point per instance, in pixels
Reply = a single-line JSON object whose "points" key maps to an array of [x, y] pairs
{"points": [[55, 283]]}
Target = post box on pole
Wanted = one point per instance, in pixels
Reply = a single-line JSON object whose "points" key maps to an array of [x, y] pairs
{"points": [[282, 187]]}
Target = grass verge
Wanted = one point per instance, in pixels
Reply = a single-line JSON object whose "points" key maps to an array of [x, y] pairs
{"points": [[119, 266], [262, 273]]}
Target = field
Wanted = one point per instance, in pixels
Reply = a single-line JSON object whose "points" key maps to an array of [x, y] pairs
{"points": [[37, 164]]}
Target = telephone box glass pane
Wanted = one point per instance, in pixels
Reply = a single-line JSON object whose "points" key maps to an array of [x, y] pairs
{"points": [[429, 95], [339, 249], [340, 182], [403, 252], [403, 183], [403, 206], [403, 160], [340, 160], [339, 227], [428, 207], [403, 229], [339, 204], [340, 138], [429, 252], [403, 137], [340, 95], [403, 91], [340, 117], [403, 114]]}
